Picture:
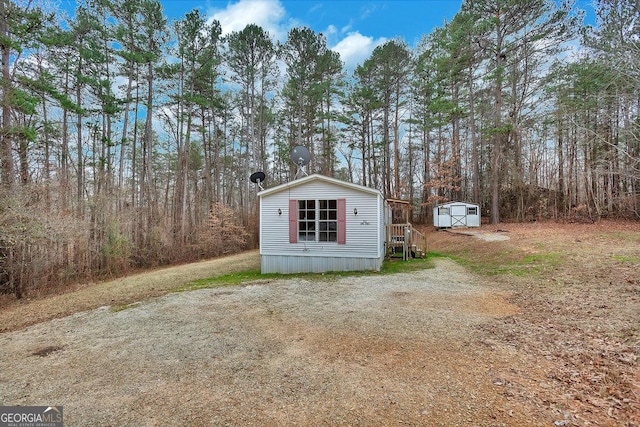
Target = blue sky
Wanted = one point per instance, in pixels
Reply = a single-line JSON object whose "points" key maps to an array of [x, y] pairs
{"points": [[373, 18], [353, 27]]}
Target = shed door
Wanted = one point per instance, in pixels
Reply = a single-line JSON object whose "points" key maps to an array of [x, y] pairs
{"points": [[458, 215]]}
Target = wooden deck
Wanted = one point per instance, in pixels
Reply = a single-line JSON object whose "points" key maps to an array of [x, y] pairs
{"points": [[404, 239]]}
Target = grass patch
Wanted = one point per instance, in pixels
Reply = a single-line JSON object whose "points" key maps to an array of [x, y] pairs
{"points": [[122, 307], [531, 264], [506, 262], [391, 266], [624, 259], [230, 279]]}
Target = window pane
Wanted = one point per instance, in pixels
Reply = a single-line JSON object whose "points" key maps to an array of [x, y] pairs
{"points": [[321, 215], [328, 220]]}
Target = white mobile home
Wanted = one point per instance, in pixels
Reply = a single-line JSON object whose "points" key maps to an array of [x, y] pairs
{"points": [[456, 214], [319, 224]]}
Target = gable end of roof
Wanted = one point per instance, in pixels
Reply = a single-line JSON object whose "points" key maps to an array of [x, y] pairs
{"points": [[316, 177]]}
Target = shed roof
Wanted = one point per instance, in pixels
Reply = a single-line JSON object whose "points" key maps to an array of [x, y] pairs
{"points": [[316, 177], [457, 203]]}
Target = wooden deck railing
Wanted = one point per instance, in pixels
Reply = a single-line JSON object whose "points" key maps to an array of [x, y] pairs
{"points": [[412, 242], [418, 243]]}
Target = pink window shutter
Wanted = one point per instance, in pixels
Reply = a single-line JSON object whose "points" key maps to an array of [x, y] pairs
{"points": [[342, 221], [293, 221]]}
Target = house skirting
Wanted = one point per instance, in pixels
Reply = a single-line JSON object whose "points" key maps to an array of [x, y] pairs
{"points": [[316, 264]]}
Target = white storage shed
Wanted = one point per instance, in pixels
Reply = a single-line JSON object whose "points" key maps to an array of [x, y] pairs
{"points": [[456, 214], [319, 224]]}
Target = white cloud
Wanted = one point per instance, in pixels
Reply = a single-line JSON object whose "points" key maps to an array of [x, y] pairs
{"points": [[355, 48], [268, 14], [271, 15], [346, 28]]}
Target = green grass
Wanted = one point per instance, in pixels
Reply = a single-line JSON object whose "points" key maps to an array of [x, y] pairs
{"points": [[507, 262], [231, 279], [623, 258], [392, 266], [122, 307], [531, 264]]}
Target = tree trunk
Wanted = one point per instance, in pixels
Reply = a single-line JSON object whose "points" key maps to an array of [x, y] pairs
{"points": [[396, 143], [80, 160], [560, 199], [6, 149], [498, 136]]}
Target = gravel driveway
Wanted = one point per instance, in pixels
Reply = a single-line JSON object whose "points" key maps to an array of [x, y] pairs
{"points": [[370, 350]]}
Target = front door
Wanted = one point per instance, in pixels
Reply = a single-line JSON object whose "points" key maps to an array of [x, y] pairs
{"points": [[458, 216]]}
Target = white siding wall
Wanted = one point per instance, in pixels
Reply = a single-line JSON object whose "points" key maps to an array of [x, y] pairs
{"points": [[364, 248], [362, 230], [441, 220], [473, 220]]}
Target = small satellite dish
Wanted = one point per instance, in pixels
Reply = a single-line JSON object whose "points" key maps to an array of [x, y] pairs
{"points": [[258, 178], [301, 157]]}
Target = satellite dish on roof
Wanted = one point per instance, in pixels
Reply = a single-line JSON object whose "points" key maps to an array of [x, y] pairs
{"points": [[301, 157], [258, 178]]}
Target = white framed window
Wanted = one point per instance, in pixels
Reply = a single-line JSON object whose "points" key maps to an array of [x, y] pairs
{"points": [[319, 220]]}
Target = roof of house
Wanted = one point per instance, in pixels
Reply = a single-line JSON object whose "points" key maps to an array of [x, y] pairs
{"points": [[316, 177]]}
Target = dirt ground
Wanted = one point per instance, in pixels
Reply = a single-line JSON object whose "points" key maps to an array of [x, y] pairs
{"points": [[578, 288], [531, 325]]}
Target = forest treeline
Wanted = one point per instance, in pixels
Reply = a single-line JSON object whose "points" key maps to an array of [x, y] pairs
{"points": [[127, 141]]}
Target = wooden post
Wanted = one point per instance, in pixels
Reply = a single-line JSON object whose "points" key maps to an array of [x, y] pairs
{"points": [[406, 247]]}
